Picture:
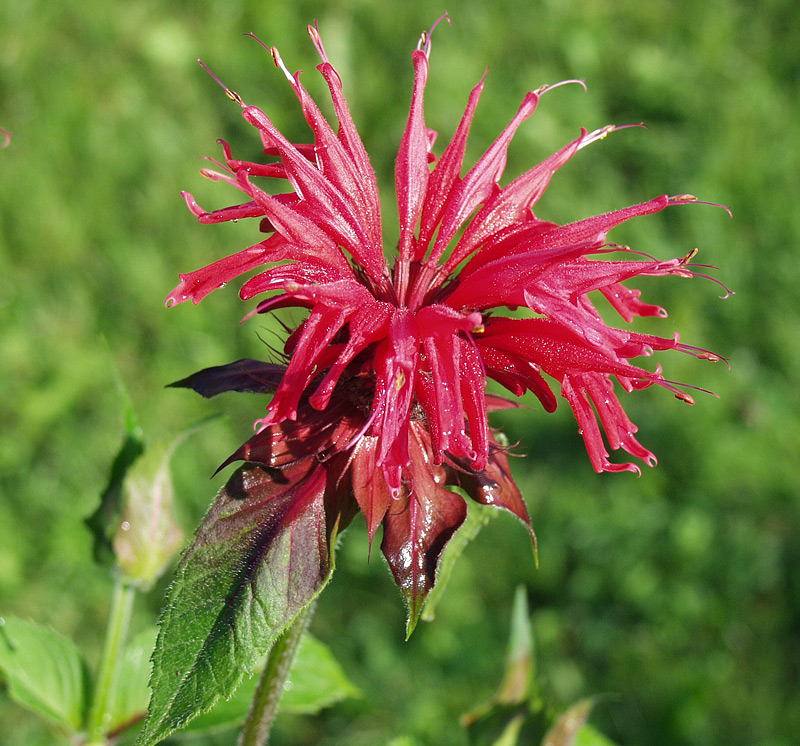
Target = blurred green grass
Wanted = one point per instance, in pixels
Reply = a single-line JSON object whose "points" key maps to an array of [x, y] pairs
{"points": [[677, 594]]}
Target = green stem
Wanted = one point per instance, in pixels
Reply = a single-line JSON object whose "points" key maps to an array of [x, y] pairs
{"points": [[116, 631], [264, 706]]}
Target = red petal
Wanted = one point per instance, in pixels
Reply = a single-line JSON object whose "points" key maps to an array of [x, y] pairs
{"points": [[481, 181], [446, 174], [411, 169]]}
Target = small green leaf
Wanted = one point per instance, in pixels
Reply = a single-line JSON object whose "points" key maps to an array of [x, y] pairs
{"points": [[262, 553], [477, 517], [131, 692], [518, 675], [44, 671], [104, 521], [147, 536], [510, 735], [515, 688], [316, 681], [565, 730], [589, 736]]}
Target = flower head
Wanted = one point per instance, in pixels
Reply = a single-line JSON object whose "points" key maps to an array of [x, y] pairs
{"points": [[384, 385]]}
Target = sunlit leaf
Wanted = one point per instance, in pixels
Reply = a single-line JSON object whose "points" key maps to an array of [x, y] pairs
{"points": [[103, 523], [518, 675], [565, 730], [510, 736], [44, 671], [515, 687], [262, 553], [589, 736], [315, 681], [131, 691], [147, 535]]}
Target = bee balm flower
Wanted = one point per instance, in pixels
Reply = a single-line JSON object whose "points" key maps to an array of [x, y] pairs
{"points": [[383, 394]]}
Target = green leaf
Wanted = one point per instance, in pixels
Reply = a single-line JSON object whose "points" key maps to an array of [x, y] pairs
{"points": [[565, 730], [510, 735], [477, 517], [589, 736], [131, 692], [45, 672], [316, 681], [262, 553], [518, 676], [515, 688], [147, 536], [103, 523]]}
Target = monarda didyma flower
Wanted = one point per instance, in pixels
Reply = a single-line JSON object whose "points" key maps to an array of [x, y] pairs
{"points": [[382, 402]]}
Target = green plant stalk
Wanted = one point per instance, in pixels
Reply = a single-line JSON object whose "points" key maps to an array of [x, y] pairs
{"points": [[264, 706], [116, 633]]}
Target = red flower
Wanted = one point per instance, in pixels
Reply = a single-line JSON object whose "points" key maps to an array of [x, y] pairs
{"points": [[385, 381]]}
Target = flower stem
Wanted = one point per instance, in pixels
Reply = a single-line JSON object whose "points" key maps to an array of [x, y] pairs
{"points": [[116, 631], [264, 706]]}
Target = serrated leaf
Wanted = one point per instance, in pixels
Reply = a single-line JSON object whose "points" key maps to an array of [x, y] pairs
{"points": [[565, 730], [316, 681], [45, 672], [131, 692], [262, 553], [477, 517]]}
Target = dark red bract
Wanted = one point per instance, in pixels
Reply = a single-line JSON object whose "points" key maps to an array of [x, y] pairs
{"points": [[385, 381]]}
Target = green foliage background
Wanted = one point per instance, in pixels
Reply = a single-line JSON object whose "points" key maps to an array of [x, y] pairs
{"points": [[676, 595]]}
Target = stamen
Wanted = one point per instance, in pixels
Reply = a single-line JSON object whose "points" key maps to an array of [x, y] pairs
{"points": [[691, 255], [728, 291], [279, 63], [604, 132], [686, 199], [276, 57], [425, 39], [232, 95], [547, 87], [253, 36], [316, 39], [702, 354]]}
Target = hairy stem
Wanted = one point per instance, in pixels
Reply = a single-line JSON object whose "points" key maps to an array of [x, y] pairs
{"points": [[116, 632], [264, 706]]}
